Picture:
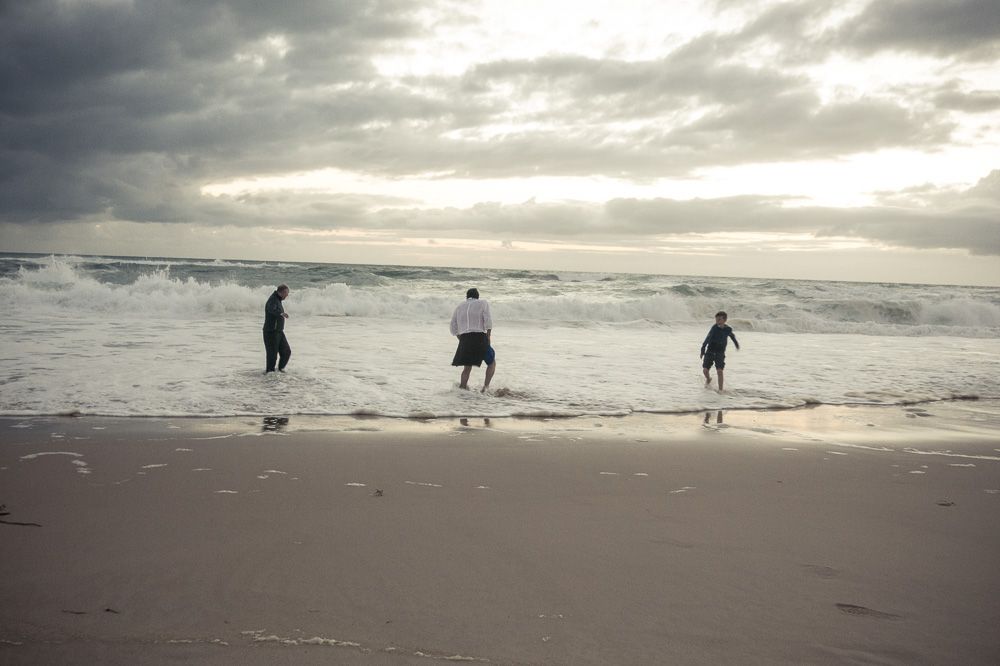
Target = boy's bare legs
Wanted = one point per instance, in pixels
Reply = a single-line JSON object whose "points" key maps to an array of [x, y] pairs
{"points": [[465, 377], [721, 378], [708, 377], [490, 369]]}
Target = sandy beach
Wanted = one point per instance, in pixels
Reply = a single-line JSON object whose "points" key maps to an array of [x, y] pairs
{"points": [[832, 535]]}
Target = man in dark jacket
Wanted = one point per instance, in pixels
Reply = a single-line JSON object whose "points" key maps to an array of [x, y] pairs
{"points": [[275, 343]]}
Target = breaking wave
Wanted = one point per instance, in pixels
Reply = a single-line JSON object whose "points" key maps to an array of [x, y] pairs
{"points": [[156, 290]]}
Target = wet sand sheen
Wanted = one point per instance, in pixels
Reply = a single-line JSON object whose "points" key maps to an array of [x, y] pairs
{"points": [[568, 542]]}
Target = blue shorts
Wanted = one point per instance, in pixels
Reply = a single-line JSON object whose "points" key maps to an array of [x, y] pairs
{"points": [[491, 356], [716, 358]]}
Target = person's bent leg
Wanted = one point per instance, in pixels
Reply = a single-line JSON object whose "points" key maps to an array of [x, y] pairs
{"points": [[721, 377], [285, 352], [270, 351], [490, 369], [465, 377], [708, 377]]}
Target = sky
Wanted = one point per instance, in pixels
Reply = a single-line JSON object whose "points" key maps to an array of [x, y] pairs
{"points": [[852, 140]]}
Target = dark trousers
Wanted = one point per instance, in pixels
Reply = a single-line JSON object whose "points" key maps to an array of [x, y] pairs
{"points": [[275, 344]]}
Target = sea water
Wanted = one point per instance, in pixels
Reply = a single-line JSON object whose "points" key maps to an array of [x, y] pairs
{"points": [[127, 336]]}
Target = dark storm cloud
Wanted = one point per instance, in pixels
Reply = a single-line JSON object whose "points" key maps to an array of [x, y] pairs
{"points": [[949, 28], [119, 106], [953, 96], [126, 109]]}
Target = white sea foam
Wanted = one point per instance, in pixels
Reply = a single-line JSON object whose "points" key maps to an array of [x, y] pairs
{"points": [[862, 446], [184, 340], [164, 290], [950, 454]]}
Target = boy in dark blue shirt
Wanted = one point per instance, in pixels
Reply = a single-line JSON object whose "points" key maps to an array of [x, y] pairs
{"points": [[713, 349]]}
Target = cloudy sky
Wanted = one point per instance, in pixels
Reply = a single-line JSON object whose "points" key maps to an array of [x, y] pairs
{"points": [[855, 140]]}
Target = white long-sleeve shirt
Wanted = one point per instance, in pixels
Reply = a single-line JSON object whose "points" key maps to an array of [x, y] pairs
{"points": [[472, 316]]}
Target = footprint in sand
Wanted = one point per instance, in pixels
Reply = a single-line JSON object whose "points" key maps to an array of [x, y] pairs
{"points": [[821, 571], [851, 609]]}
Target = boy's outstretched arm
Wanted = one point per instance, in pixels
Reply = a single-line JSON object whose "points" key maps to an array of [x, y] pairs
{"points": [[705, 343], [735, 341]]}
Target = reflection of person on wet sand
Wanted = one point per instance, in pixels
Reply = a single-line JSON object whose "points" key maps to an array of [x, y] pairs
{"points": [[718, 417], [274, 423]]}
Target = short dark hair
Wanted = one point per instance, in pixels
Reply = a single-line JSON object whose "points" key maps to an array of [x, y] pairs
{"points": [[722, 313], [282, 287], [472, 293]]}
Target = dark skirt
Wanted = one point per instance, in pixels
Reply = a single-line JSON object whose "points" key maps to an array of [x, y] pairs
{"points": [[471, 349]]}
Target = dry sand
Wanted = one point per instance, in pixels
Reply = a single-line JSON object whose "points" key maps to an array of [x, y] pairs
{"points": [[769, 538]]}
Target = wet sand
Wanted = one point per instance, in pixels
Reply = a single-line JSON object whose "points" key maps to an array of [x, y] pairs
{"points": [[824, 536]]}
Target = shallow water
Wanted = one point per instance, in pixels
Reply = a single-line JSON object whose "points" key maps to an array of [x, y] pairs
{"points": [[140, 337]]}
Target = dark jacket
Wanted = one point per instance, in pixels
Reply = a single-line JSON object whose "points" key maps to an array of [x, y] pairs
{"points": [[717, 339], [273, 311]]}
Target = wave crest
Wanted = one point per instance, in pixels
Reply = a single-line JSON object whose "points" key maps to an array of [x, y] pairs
{"points": [[65, 285]]}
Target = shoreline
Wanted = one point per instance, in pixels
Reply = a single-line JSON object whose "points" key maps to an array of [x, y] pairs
{"points": [[75, 414], [930, 421], [541, 416], [818, 536]]}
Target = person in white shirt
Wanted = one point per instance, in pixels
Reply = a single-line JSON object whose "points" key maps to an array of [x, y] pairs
{"points": [[472, 324]]}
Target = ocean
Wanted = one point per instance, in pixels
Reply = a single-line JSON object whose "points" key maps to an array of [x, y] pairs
{"points": [[144, 336]]}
